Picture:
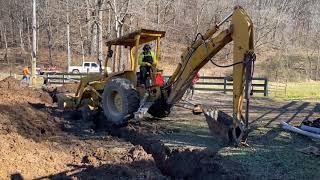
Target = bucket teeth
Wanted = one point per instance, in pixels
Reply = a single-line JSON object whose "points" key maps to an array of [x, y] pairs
{"points": [[223, 126]]}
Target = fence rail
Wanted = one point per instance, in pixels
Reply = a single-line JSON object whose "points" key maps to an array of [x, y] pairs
{"points": [[63, 78], [278, 89], [205, 83], [222, 84]]}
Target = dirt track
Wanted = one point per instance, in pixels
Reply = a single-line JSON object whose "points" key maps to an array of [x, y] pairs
{"points": [[40, 141]]}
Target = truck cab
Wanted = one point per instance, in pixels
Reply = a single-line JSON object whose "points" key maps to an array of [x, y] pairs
{"points": [[86, 67]]}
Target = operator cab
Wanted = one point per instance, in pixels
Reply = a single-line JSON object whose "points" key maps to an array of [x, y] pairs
{"points": [[130, 46]]}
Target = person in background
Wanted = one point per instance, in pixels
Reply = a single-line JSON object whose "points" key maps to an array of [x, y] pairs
{"points": [[26, 75], [147, 59], [192, 88]]}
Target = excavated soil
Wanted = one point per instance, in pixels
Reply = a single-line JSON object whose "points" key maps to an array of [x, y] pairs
{"points": [[25, 111], [180, 162], [38, 142]]}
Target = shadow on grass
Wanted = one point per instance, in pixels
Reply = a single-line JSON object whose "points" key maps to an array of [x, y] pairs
{"points": [[299, 110], [283, 110], [275, 155], [316, 109]]}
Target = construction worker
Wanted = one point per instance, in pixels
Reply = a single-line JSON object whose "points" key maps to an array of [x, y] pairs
{"points": [[26, 75], [147, 59], [190, 91]]}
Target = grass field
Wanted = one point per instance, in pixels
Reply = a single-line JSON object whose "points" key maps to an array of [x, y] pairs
{"points": [[284, 91], [273, 152], [296, 91]]}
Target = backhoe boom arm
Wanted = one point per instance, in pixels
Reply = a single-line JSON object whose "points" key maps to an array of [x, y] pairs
{"points": [[194, 58]]}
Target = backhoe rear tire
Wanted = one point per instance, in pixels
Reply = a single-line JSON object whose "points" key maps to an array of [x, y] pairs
{"points": [[120, 100]]}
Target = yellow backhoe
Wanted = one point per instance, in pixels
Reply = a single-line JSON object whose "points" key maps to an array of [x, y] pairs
{"points": [[121, 96]]}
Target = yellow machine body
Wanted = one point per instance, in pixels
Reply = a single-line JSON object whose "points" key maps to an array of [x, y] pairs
{"points": [[161, 99]]}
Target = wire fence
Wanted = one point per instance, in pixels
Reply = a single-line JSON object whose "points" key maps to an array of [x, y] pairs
{"points": [[278, 89]]}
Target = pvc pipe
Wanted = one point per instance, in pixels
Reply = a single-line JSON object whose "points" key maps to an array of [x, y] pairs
{"points": [[310, 129], [299, 131]]}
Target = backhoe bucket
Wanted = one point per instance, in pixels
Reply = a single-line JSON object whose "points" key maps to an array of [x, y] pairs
{"points": [[223, 126], [65, 101]]}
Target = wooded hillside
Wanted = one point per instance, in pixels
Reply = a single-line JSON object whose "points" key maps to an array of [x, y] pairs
{"points": [[286, 32]]}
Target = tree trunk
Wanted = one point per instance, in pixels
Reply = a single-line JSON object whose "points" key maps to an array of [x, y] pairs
{"points": [[29, 36], [94, 39], [109, 22], [68, 36], [13, 40], [100, 33], [116, 49], [158, 14], [21, 37], [50, 45], [1, 37], [318, 63], [82, 43], [5, 44], [89, 26], [119, 49], [34, 43]]}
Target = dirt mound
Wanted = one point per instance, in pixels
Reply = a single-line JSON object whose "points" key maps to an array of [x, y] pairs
{"points": [[53, 91], [29, 158], [39, 141], [12, 91], [25, 111]]}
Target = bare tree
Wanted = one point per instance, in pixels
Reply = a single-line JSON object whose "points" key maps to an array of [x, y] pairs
{"points": [[34, 42]]}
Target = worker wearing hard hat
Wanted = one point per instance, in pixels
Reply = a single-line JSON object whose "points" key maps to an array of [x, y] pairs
{"points": [[146, 59]]}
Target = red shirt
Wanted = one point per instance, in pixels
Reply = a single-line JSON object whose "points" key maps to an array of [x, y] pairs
{"points": [[196, 79]]}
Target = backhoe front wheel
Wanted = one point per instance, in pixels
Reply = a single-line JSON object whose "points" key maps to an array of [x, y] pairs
{"points": [[120, 100]]}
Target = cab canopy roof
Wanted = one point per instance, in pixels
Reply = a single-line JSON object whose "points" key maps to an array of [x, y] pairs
{"points": [[146, 35]]}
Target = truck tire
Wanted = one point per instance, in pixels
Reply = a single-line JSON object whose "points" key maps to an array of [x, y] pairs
{"points": [[119, 101], [75, 71]]}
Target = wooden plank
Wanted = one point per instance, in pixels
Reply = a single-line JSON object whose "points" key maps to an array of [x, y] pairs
{"points": [[71, 74], [212, 89], [56, 83], [258, 78], [258, 91], [258, 85], [213, 83], [210, 77]]}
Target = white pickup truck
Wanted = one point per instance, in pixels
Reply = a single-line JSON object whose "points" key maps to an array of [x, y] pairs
{"points": [[87, 67]]}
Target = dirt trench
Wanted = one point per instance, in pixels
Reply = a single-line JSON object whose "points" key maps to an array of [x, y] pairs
{"points": [[178, 162]]}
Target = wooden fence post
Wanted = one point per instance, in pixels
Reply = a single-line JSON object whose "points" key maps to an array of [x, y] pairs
{"points": [[266, 93], [224, 85], [62, 79]]}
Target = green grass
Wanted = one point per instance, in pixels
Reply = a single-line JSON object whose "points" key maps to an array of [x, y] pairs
{"points": [[303, 90], [298, 91], [274, 154]]}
